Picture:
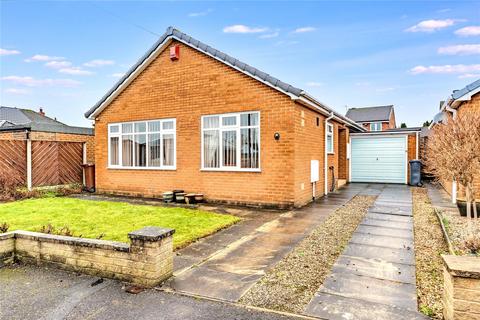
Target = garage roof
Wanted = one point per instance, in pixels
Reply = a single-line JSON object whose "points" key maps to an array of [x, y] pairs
{"points": [[367, 114]]}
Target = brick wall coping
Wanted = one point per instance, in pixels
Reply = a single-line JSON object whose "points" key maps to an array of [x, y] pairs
{"points": [[151, 233], [74, 241], [462, 266]]}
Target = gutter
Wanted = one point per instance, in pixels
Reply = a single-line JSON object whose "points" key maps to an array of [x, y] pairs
{"points": [[325, 165], [305, 98]]}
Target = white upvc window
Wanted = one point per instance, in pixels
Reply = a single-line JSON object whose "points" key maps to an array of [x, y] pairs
{"points": [[330, 138], [142, 145], [375, 126], [231, 142]]}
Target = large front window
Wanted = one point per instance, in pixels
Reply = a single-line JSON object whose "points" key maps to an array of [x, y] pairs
{"points": [[142, 144], [231, 141]]}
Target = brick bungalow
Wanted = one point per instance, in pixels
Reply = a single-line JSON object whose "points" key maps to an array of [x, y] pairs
{"points": [[42, 150], [187, 116], [378, 118], [461, 101]]}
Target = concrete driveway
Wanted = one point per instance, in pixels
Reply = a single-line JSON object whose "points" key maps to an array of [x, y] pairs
{"points": [[226, 265]]}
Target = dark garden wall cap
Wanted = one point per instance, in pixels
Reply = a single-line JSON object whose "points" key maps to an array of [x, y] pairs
{"points": [[151, 233]]}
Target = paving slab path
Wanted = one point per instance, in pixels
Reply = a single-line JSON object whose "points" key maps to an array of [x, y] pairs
{"points": [[374, 278], [227, 264]]}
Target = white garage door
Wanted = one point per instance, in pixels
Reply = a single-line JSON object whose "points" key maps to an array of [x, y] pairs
{"points": [[378, 159]]}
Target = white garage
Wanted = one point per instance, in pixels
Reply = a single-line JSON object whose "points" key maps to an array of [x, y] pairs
{"points": [[380, 157]]}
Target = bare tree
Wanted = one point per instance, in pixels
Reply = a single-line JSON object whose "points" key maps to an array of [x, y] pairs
{"points": [[453, 153]]}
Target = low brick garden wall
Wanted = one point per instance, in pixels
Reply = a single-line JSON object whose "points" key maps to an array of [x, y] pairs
{"points": [[147, 261], [461, 287]]}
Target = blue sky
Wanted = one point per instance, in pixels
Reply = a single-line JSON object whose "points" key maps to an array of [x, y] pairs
{"points": [[64, 56]]}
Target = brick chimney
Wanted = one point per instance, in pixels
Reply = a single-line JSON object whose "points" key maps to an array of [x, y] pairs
{"points": [[41, 111]]}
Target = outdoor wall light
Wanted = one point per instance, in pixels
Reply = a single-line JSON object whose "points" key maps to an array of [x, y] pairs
{"points": [[276, 136]]}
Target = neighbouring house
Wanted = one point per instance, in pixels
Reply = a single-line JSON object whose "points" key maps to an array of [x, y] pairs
{"points": [[460, 101], [188, 116], [379, 118], [41, 151]]}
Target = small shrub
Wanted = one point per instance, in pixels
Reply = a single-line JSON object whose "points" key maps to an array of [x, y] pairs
{"points": [[9, 183], [472, 244], [65, 231], [47, 229], [4, 227]]}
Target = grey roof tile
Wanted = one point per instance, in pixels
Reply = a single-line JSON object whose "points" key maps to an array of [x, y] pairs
{"points": [[467, 89], [365, 114], [29, 119]]}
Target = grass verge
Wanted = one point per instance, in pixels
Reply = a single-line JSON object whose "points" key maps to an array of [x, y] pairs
{"points": [[429, 245], [292, 283], [113, 220]]}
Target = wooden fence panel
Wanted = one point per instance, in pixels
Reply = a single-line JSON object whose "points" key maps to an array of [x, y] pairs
{"points": [[70, 161], [55, 163], [13, 159]]}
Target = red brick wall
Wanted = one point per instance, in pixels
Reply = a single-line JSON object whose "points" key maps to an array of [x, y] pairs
{"points": [[52, 136], [186, 89], [412, 150], [197, 85]]}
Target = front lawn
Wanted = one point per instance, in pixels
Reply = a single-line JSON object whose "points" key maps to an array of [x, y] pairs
{"points": [[113, 220]]}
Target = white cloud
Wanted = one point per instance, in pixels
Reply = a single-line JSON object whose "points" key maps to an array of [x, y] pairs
{"points": [[240, 28], [304, 29], [6, 52], [17, 91], [315, 84], [269, 35], [461, 49], [385, 89], [286, 43], [41, 57], [431, 25], [118, 74], [99, 63], [58, 64], [468, 31], [75, 71], [469, 75], [200, 14], [444, 10], [32, 82], [363, 84], [446, 69]]}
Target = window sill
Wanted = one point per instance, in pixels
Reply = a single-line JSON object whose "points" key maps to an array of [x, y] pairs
{"points": [[229, 170], [331, 153], [141, 168]]}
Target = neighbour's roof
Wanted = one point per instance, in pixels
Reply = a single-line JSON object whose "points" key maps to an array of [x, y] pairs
{"points": [[173, 33], [457, 94], [367, 114], [12, 119]]}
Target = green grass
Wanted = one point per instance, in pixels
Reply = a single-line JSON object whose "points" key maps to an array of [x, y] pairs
{"points": [[90, 219]]}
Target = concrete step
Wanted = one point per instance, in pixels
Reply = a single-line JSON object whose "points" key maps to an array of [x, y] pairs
{"points": [[334, 307], [375, 268], [386, 223], [385, 231], [396, 294], [387, 254]]}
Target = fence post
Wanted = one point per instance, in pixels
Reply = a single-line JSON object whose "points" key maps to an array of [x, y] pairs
{"points": [[84, 150], [29, 163]]}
